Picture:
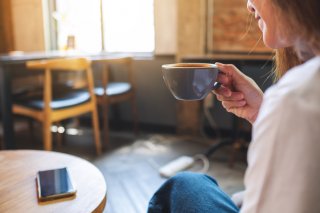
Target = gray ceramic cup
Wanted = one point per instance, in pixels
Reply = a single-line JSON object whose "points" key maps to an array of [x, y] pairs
{"points": [[190, 81]]}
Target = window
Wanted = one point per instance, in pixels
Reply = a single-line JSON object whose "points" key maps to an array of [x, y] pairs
{"points": [[110, 25], [129, 25], [79, 20]]}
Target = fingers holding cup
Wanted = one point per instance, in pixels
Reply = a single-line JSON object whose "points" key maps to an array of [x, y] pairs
{"points": [[230, 105]]}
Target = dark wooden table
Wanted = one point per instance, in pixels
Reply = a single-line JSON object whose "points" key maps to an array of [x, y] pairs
{"points": [[6, 64]]}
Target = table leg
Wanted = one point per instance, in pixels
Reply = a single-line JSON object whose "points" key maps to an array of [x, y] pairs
{"points": [[6, 107]]}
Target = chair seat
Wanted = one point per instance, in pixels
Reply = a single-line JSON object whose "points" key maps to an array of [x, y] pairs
{"points": [[114, 89], [61, 101]]}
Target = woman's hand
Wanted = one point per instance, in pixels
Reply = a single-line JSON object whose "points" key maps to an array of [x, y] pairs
{"points": [[237, 198], [238, 93]]}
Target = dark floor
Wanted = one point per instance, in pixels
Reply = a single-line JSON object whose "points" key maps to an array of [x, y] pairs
{"points": [[130, 163]]}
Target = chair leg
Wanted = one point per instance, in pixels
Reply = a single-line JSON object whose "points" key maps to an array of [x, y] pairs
{"points": [[59, 136], [105, 112], [238, 144], [95, 124], [31, 129], [47, 139], [135, 116]]}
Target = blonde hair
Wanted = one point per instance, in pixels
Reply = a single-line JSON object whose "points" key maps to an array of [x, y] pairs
{"points": [[285, 59], [302, 17]]}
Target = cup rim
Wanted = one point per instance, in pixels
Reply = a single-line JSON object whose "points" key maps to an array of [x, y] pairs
{"points": [[189, 66]]}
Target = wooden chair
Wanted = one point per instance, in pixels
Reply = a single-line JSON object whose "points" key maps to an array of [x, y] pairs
{"points": [[110, 92], [50, 107]]}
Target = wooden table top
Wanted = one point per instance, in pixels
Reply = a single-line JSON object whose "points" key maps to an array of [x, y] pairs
{"points": [[18, 193], [21, 57]]}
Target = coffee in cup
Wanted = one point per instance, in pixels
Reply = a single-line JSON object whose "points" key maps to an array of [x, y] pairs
{"points": [[190, 81]]}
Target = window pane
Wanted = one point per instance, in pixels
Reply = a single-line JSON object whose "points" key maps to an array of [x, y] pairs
{"points": [[128, 25], [81, 19]]}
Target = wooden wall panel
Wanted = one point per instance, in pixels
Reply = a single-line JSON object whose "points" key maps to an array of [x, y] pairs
{"points": [[191, 28], [231, 30], [28, 25], [6, 34], [165, 26]]}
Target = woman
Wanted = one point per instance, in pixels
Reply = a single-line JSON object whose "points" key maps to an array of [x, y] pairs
{"points": [[283, 164]]}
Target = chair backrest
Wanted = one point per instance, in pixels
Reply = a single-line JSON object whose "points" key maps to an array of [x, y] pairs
{"points": [[125, 62], [63, 64]]}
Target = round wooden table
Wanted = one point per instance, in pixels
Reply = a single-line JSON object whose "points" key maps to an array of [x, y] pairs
{"points": [[18, 193]]}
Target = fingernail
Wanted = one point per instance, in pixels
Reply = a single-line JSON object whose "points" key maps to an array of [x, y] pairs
{"points": [[216, 85]]}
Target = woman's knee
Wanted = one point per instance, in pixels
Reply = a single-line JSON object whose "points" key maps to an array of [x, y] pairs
{"points": [[188, 192], [191, 179], [186, 177]]}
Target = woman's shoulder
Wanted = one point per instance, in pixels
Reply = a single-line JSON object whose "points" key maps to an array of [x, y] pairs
{"points": [[290, 110], [295, 93], [298, 79]]}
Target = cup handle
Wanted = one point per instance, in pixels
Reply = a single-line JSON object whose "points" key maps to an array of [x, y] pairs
{"points": [[216, 85]]}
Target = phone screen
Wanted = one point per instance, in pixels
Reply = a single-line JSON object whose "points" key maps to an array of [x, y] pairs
{"points": [[54, 184]]}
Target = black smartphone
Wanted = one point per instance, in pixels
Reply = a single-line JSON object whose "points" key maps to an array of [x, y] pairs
{"points": [[54, 184]]}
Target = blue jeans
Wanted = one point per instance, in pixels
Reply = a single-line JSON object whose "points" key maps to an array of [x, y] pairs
{"points": [[191, 192]]}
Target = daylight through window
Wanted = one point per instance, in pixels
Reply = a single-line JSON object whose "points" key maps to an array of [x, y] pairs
{"points": [[123, 26]]}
